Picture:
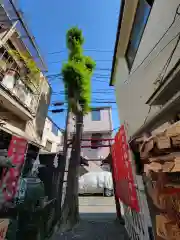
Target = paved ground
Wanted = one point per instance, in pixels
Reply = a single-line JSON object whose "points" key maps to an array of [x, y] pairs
{"points": [[97, 221]]}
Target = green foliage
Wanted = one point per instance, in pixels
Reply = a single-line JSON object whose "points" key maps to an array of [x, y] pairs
{"points": [[74, 38], [77, 72], [33, 76], [90, 64]]}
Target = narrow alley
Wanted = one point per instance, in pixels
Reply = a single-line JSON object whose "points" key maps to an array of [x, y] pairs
{"points": [[98, 221]]}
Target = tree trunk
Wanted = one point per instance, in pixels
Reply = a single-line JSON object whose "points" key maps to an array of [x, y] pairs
{"points": [[70, 213]]}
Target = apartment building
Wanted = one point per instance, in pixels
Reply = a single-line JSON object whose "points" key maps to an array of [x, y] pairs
{"points": [[97, 125], [24, 92], [145, 73], [52, 139]]}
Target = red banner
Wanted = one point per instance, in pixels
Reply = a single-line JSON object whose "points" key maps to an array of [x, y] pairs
{"points": [[125, 187], [10, 177]]}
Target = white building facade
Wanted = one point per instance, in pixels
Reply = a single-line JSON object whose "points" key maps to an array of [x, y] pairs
{"points": [[97, 125], [52, 139], [145, 73], [146, 62], [24, 96]]}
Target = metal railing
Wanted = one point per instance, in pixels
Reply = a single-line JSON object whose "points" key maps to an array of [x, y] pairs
{"points": [[14, 79]]}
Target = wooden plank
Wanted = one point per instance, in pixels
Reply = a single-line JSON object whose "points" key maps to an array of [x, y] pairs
{"points": [[173, 130], [162, 142], [146, 147], [175, 141], [3, 228]]}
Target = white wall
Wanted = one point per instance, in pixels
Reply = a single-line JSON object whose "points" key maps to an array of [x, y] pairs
{"points": [[134, 89], [94, 126], [90, 153], [104, 125], [49, 135]]}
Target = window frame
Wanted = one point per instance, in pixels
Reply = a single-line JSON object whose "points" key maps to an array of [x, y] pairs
{"points": [[134, 28], [96, 142], [95, 119], [48, 141]]}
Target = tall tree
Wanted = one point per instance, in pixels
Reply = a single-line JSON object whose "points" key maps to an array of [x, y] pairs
{"points": [[77, 73]]}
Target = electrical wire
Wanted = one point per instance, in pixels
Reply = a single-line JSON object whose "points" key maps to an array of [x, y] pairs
{"points": [[162, 49], [64, 60], [174, 20], [59, 75], [165, 70], [86, 50], [92, 101], [169, 59], [95, 92]]}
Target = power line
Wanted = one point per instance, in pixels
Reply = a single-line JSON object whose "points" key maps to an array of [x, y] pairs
{"points": [[86, 50], [164, 48], [95, 92], [177, 35], [174, 20], [96, 101], [60, 75], [98, 60], [98, 69]]}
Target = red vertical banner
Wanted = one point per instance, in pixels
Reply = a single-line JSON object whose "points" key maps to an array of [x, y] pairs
{"points": [[125, 187], [10, 177]]}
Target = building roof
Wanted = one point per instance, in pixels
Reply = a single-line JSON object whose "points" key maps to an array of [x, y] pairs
{"points": [[117, 40]]}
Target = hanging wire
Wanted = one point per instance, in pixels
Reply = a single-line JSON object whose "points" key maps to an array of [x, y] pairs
{"points": [[174, 20]]}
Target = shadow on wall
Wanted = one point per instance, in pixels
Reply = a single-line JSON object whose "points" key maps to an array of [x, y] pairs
{"points": [[42, 112], [11, 118]]}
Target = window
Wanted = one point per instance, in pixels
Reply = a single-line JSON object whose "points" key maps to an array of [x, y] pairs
{"points": [[96, 141], [141, 17], [96, 115], [58, 147], [48, 145], [55, 129]]}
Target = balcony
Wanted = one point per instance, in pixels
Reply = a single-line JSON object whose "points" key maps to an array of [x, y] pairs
{"points": [[20, 92], [17, 91]]}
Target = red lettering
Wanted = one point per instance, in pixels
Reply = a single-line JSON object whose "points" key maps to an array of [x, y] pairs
{"points": [[9, 182]]}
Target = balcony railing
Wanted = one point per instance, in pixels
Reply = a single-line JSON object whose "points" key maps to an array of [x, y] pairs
{"points": [[16, 82], [21, 93]]}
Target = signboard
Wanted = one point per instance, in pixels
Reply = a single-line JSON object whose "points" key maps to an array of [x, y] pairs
{"points": [[125, 187], [10, 177]]}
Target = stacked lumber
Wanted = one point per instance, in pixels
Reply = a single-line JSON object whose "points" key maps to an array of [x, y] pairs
{"points": [[160, 156], [3, 228]]}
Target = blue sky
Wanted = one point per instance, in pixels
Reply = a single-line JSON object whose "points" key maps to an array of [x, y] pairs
{"points": [[49, 21]]}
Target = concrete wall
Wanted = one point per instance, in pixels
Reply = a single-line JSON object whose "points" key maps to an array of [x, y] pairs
{"points": [[90, 153], [104, 125], [35, 127], [17, 118], [134, 88], [49, 135]]}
